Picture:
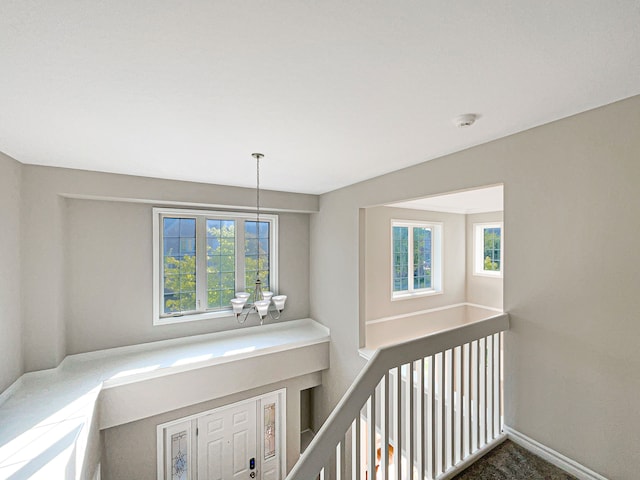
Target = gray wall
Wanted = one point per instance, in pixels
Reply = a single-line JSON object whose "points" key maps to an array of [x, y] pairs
{"points": [[572, 270], [482, 290], [11, 359], [378, 262], [130, 449], [84, 294]]}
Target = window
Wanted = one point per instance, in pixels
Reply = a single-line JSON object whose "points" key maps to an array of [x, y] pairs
{"points": [[202, 258], [488, 251], [177, 443], [416, 258]]}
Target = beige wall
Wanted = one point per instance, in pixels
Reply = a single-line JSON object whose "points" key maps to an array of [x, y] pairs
{"points": [[378, 262], [108, 280], [572, 357], [482, 290], [130, 450], [86, 257], [43, 238], [11, 358]]}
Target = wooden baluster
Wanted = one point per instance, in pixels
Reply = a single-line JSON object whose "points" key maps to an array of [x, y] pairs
{"points": [[356, 465], [458, 387], [489, 391], [371, 427], [442, 391], [477, 393], [398, 421], [483, 390], [411, 419], [497, 386], [421, 419], [384, 420], [500, 380], [433, 453], [466, 403], [451, 407]]}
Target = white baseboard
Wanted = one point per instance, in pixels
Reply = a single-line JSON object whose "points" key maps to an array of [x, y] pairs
{"points": [[459, 467], [551, 456]]}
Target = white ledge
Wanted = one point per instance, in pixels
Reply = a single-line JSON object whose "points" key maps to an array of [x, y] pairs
{"points": [[50, 421]]}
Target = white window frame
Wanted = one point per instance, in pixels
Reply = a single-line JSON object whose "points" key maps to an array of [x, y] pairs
{"points": [[436, 259], [201, 262], [478, 249]]}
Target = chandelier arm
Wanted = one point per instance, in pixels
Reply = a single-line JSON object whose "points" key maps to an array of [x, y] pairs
{"points": [[246, 314], [277, 317]]}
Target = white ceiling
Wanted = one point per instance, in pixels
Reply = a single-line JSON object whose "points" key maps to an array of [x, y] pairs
{"points": [[479, 200], [333, 92]]}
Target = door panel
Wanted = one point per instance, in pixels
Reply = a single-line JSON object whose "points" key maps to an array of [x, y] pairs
{"points": [[240, 454], [270, 474], [226, 443], [214, 460]]}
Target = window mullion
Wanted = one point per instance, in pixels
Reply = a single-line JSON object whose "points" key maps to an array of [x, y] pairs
{"points": [[201, 264], [501, 248], [240, 266], [410, 258], [432, 258], [160, 265]]}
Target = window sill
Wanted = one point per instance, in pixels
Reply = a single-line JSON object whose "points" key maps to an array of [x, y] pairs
{"points": [[488, 274], [192, 317], [407, 296]]}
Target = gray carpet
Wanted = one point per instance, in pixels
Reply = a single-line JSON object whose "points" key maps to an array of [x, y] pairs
{"points": [[510, 461]]}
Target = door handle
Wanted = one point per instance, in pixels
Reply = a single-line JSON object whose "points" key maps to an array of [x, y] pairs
{"points": [[252, 474]]}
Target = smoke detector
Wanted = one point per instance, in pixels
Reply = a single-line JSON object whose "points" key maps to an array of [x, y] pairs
{"points": [[464, 121]]}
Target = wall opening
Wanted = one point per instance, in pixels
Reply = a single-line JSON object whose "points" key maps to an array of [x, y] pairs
{"points": [[307, 430], [430, 263]]}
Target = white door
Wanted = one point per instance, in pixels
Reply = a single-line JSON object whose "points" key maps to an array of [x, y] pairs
{"points": [[227, 447]]}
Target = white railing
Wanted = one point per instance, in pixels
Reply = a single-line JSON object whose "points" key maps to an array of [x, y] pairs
{"points": [[435, 400]]}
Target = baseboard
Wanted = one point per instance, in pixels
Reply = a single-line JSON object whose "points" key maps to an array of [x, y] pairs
{"points": [[460, 466], [551, 456]]}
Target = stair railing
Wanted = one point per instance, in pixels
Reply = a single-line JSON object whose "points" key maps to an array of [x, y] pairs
{"points": [[435, 400]]}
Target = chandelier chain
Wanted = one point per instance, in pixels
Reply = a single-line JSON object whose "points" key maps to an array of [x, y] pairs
{"points": [[258, 189], [258, 156]]}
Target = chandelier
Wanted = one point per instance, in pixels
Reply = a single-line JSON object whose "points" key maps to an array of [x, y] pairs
{"points": [[264, 303]]}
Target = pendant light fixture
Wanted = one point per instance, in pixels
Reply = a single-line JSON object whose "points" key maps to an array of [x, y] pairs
{"points": [[262, 301]]}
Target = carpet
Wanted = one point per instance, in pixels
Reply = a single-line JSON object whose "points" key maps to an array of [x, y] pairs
{"points": [[510, 461]]}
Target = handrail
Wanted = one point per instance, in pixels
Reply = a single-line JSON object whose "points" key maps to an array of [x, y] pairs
{"points": [[384, 359]]}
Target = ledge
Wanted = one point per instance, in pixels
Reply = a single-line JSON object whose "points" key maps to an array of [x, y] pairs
{"points": [[51, 419]]}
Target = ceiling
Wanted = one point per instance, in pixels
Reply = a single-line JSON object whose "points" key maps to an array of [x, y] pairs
{"points": [[332, 92], [479, 200]]}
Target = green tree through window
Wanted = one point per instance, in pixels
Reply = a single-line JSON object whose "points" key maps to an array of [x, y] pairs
{"points": [[492, 249], [256, 254], [221, 262], [412, 255], [179, 264]]}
